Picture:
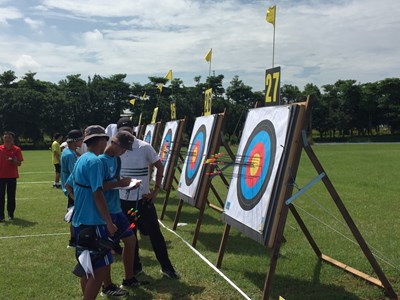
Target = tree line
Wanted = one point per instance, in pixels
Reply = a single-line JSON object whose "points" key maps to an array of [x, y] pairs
{"points": [[36, 109]]}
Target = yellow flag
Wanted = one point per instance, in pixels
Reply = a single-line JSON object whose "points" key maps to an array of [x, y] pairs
{"points": [[132, 101], [143, 97], [160, 86], [208, 55], [271, 13], [169, 75]]}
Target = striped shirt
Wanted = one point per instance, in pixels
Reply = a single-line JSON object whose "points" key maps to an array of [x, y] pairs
{"points": [[136, 164]]}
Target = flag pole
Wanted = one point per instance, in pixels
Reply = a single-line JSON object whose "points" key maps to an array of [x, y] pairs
{"points": [[273, 49]]}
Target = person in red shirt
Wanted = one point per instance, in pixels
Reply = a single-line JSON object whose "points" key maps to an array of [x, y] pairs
{"points": [[10, 160]]}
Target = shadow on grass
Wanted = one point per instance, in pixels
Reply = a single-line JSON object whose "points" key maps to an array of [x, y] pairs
{"points": [[294, 288], [19, 222], [171, 288], [191, 217]]}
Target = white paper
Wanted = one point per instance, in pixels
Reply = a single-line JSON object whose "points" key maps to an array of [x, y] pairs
{"points": [[133, 184], [86, 263], [68, 215]]}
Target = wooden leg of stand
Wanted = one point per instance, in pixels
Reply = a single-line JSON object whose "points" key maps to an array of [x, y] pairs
{"points": [[350, 223], [178, 214], [222, 246], [165, 204], [197, 229], [305, 230], [271, 269]]}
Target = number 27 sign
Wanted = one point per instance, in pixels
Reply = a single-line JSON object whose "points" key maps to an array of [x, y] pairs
{"points": [[272, 86]]}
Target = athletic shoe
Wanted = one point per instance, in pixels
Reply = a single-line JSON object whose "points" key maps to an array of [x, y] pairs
{"points": [[129, 283], [170, 273], [113, 291], [71, 243]]}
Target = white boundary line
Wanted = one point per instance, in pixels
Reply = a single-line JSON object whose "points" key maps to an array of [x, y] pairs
{"points": [[208, 262], [187, 244], [33, 235], [23, 173], [34, 182]]}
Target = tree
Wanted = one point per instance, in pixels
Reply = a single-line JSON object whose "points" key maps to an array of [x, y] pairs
{"points": [[290, 93], [389, 102]]}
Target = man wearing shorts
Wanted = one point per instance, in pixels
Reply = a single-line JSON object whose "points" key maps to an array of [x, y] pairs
{"points": [[112, 164], [68, 160], [91, 211]]}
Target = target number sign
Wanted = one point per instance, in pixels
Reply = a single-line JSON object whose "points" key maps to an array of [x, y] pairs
{"points": [[173, 111], [272, 86], [207, 102]]}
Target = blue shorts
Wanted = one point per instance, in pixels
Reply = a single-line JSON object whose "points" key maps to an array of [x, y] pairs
{"points": [[122, 223], [101, 232]]}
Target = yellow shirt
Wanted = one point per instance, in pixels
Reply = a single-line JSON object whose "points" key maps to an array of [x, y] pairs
{"points": [[55, 148]]}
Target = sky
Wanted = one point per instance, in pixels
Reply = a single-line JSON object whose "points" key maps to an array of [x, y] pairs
{"points": [[316, 41]]}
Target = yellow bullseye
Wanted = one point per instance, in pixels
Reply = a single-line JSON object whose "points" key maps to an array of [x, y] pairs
{"points": [[194, 156], [255, 164]]}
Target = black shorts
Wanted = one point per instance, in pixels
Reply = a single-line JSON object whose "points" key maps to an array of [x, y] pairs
{"points": [[70, 202], [57, 167]]}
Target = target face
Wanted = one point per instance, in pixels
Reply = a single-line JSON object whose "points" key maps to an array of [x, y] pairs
{"points": [[165, 148], [193, 167], [147, 138], [256, 165], [196, 152], [250, 194]]}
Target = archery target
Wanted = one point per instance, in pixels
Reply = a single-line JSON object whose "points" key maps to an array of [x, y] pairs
{"points": [[197, 150], [259, 154], [167, 146], [149, 136], [256, 165]]}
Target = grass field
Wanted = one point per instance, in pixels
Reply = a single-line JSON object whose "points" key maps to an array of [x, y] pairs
{"points": [[36, 264]]}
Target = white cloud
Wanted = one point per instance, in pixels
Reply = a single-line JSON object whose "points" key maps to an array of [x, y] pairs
{"points": [[34, 24], [26, 62], [9, 13], [316, 41]]}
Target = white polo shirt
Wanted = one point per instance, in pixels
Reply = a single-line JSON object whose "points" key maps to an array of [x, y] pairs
{"points": [[136, 164]]}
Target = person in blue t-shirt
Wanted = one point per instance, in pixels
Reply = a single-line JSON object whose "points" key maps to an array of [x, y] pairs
{"points": [[112, 164], [85, 185], [68, 160]]}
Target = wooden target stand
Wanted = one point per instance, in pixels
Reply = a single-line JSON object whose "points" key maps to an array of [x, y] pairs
{"points": [[157, 134], [298, 144], [173, 165], [205, 184]]}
